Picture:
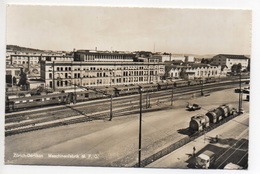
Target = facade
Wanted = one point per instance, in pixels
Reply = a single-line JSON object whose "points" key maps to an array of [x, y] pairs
{"points": [[102, 56], [12, 74], [177, 57], [34, 58], [60, 74], [230, 60], [195, 71], [31, 61], [96, 68]]}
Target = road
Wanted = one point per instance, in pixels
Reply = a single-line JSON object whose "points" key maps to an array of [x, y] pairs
{"points": [[104, 143]]}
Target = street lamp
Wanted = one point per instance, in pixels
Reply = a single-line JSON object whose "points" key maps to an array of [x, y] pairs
{"points": [[140, 128]]}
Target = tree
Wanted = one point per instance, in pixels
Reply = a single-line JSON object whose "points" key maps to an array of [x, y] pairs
{"points": [[239, 67], [248, 67], [23, 79], [234, 68], [182, 73], [14, 80]]}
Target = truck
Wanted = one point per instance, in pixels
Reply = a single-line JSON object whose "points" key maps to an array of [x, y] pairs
{"points": [[205, 160]]}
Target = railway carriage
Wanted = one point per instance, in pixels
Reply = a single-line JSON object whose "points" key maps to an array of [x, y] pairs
{"points": [[210, 80], [171, 84], [181, 83], [194, 82], [149, 87], [126, 90], [39, 100], [77, 94], [163, 86]]}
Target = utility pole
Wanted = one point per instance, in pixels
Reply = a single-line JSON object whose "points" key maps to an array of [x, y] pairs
{"points": [[140, 128], [240, 95], [111, 107], [75, 94], [172, 94], [201, 91], [53, 71]]}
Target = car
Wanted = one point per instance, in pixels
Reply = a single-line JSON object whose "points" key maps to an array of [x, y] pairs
{"points": [[246, 90], [237, 90], [232, 166], [193, 107]]}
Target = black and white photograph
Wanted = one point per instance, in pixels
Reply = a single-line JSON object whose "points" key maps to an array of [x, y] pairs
{"points": [[127, 87]]}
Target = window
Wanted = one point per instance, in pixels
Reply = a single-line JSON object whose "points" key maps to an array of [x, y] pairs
{"points": [[50, 75]]}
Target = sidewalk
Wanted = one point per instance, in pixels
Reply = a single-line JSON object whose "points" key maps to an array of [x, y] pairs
{"points": [[180, 157]]}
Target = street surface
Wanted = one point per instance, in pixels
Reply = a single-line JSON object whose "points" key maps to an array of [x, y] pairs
{"points": [[115, 143]]}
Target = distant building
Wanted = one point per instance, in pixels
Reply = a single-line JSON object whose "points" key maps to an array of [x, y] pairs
{"points": [[34, 58], [102, 56], [189, 59], [178, 57], [195, 71], [230, 60], [12, 74]]}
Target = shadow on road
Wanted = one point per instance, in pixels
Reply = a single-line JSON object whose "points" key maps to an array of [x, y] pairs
{"points": [[184, 131]]}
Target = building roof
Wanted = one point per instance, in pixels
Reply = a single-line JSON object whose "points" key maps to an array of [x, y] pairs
{"points": [[189, 72], [231, 56]]}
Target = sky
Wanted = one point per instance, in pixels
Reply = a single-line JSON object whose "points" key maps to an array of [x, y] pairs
{"points": [[177, 31]]}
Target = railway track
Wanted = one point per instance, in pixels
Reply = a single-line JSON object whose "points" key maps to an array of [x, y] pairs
{"points": [[23, 122]]}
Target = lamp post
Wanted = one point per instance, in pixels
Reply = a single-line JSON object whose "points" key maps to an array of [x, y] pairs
{"points": [[140, 128]]}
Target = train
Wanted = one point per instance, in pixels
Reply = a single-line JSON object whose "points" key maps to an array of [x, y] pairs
{"points": [[213, 116], [67, 96]]}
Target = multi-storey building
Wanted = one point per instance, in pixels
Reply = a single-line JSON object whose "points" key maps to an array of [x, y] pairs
{"points": [[103, 56], [34, 58], [195, 71], [230, 60], [100, 69]]}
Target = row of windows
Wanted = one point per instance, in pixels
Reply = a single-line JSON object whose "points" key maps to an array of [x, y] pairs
{"points": [[101, 68], [24, 58], [100, 74], [25, 62], [100, 81], [200, 73], [108, 56]]}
